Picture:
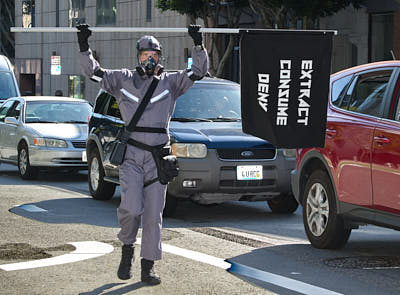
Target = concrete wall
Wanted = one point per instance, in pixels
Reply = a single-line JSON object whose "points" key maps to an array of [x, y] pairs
{"points": [[350, 46], [115, 50]]}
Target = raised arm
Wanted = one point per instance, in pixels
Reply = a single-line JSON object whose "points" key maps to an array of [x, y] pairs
{"points": [[183, 80], [108, 79]]}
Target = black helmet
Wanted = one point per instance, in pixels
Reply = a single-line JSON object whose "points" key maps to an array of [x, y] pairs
{"points": [[148, 43]]}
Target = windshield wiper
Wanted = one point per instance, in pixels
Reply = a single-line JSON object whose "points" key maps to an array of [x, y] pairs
{"points": [[224, 119], [190, 120], [40, 121], [73, 121]]}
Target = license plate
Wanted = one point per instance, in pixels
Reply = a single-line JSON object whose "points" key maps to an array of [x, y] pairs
{"points": [[84, 158], [249, 172]]}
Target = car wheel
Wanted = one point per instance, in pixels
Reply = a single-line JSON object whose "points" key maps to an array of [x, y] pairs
{"points": [[170, 206], [98, 187], [284, 204], [26, 171], [324, 227]]}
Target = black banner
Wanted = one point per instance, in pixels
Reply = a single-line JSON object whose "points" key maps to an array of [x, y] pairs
{"points": [[285, 85]]}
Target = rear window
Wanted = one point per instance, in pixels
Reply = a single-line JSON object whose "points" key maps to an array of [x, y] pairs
{"points": [[7, 86]]}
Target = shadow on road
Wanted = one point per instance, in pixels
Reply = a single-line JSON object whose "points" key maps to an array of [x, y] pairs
{"points": [[120, 291], [74, 181], [274, 268]]}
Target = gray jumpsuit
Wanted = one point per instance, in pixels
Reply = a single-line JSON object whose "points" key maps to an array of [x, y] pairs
{"points": [[129, 88]]}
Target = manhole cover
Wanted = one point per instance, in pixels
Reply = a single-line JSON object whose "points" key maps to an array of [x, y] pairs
{"points": [[364, 262], [23, 251]]}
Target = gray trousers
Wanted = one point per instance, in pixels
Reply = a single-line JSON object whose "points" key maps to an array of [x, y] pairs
{"points": [[141, 204]]}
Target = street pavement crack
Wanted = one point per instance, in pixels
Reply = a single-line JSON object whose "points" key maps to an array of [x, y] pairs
{"points": [[231, 237]]}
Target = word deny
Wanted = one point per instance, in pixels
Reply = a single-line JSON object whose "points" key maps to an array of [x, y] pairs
{"points": [[303, 110], [263, 88], [283, 92]]}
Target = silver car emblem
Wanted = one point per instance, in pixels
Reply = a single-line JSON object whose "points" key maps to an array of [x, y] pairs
{"points": [[247, 154]]}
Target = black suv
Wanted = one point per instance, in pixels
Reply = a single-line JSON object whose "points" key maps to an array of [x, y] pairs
{"points": [[217, 161]]}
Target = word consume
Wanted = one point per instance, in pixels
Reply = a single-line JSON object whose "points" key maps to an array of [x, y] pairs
{"points": [[283, 92]]}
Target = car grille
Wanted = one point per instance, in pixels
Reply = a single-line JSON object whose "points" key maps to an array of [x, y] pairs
{"points": [[68, 161], [246, 183], [81, 144], [252, 154]]}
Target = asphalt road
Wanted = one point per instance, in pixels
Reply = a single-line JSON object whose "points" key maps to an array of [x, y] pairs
{"points": [[266, 253]]}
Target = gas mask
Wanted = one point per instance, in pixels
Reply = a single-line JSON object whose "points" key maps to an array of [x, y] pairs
{"points": [[149, 67]]}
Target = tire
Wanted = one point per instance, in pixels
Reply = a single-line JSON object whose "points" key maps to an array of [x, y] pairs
{"points": [[170, 206], [324, 227], [284, 204], [26, 171], [98, 187]]}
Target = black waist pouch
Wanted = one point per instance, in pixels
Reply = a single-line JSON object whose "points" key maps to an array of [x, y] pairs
{"points": [[115, 150], [167, 164]]}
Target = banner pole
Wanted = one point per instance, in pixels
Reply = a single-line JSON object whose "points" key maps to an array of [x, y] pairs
{"points": [[149, 30]]}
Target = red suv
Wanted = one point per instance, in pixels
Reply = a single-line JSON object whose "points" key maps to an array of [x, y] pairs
{"points": [[355, 178]]}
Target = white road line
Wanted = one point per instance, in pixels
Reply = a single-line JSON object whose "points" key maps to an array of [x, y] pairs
{"points": [[83, 251], [277, 280], [31, 208]]}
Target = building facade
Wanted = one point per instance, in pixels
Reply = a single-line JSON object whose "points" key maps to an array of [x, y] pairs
{"points": [[371, 33], [46, 62]]}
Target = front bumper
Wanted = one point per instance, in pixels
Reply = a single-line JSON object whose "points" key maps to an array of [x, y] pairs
{"points": [[216, 179], [56, 157]]}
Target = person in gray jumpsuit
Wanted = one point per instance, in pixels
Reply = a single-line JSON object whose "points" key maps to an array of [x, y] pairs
{"points": [[139, 202]]}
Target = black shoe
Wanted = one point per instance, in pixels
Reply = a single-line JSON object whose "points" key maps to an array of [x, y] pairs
{"points": [[148, 275], [127, 258]]}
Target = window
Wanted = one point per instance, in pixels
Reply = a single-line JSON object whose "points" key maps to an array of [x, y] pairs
{"points": [[113, 109], [101, 103], [338, 89], [207, 101], [57, 112], [148, 10], [15, 111], [76, 86], [76, 12], [7, 86], [28, 13], [106, 12], [4, 109], [369, 91]]}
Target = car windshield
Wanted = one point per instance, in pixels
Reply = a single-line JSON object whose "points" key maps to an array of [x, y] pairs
{"points": [[57, 112], [7, 88], [209, 102]]}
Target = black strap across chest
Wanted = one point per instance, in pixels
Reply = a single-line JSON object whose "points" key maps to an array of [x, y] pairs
{"points": [[140, 110]]}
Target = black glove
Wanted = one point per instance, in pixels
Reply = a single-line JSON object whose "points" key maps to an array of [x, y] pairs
{"points": [[83, 36], [193, 31]]}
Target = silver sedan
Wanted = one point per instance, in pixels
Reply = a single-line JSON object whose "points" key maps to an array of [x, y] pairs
{"points": [[43, 131]]}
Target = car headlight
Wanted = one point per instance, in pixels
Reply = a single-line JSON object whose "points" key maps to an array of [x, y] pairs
{"points": [[289, 153], [50, 142], [189, 150]]}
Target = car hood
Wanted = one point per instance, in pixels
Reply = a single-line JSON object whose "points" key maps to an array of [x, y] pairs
{"points": [[215, 134], [60, 130]]}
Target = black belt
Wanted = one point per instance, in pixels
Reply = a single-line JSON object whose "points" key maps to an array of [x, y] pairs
{"points": [[149, 129]]}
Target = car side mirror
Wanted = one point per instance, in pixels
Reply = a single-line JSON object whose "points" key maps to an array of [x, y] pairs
{"points": [[11, 120]]}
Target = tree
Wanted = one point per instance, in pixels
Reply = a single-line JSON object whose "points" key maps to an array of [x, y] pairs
{"points": [[279, 13], [212, 12]]}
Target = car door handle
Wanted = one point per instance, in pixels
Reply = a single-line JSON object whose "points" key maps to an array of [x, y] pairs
{"points": [[330, 132], [381, 140]]}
